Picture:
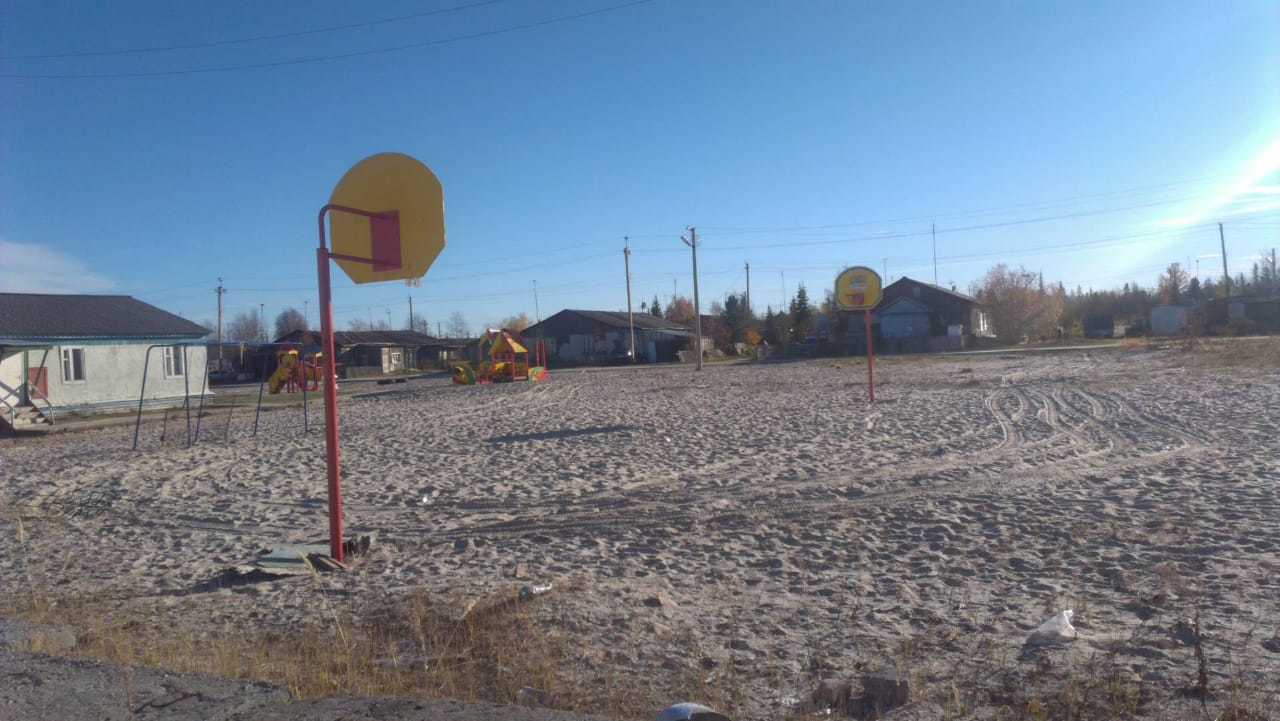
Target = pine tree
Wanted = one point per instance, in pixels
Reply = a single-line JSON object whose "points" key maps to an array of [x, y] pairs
{"points": [[801, 315], [655, 308]]}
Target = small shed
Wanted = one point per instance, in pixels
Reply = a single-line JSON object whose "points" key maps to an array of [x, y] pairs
{"points": [[1168, 320]]}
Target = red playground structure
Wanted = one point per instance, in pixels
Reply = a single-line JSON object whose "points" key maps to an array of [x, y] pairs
{"points": [[508, 361]]}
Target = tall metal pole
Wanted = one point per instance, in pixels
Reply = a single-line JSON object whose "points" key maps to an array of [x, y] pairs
{"points": [[410, 312], [1226, 274], [871, 359], [220, 290], [692, 242], [537, 311], [631, 321], [262, 320], [327, 345], [748, 267], [933, 231]]}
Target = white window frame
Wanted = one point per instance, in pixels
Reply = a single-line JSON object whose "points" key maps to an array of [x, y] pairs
{"points": [[174, 367], [67, 356]]}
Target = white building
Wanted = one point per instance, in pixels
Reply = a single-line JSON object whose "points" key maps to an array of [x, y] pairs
{"points": [[86, 353]]}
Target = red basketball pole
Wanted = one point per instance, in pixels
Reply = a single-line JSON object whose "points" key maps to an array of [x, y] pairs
{"points": [[332, 457], [388, 219], [871, 360]]}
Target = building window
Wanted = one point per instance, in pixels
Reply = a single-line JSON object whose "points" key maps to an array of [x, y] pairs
{"points": [[73, 365], [982, 328], [173, 361]]}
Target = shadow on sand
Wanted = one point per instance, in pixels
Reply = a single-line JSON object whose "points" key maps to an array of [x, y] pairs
{"points": [[570, 433]]}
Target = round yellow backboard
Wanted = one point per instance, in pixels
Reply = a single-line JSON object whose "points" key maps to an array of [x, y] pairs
{"points": [[382, 183], [858, 288]]}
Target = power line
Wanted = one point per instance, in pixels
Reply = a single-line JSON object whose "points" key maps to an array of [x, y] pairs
{"points": [[251, 38], [1137, 190], [957, 229], [332, 57]]}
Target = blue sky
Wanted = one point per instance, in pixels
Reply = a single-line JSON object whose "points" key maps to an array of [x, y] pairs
{"points": [[1094, 141]]}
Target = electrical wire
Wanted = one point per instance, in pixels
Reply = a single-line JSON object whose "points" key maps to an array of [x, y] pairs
{"points": [[330, 57], [252, 38], [712, 230]]}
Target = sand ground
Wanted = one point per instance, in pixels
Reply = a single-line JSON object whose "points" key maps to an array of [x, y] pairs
{"points": [[758, 527]]}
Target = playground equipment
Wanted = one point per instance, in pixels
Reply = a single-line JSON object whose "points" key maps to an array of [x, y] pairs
{"points": [[294, 373], [508, 361]]}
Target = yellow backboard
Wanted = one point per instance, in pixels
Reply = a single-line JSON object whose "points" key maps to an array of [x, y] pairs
{"points": [[383, 183], [858, 288]]}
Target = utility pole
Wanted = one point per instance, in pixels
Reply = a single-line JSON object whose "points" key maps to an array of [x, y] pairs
{"points": [[748, 304], [306, 312], [388, 318], [886, 270], [1226, 275], [262, 320], [439, 330], [933, 231], [220, 291], [537, 312], [631, 321], [783, 275], [410, 312], [692, 242]]}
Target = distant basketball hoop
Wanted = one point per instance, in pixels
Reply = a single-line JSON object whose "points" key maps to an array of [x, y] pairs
{"points": [[413, 282]]}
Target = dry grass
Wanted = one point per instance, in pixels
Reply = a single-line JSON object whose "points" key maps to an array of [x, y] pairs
{"points": [[500, 648], [1258, 352], [419, 648]]}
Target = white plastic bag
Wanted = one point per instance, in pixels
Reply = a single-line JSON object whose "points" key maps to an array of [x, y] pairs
{"points": [[1057, 629], [690, 712]]}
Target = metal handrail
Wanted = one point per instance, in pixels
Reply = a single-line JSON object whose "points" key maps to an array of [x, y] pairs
{"points": [[33, 392], [4, 400], [13, 413]]}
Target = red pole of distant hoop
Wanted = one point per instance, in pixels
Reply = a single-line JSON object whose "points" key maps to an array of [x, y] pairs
{"points": [[332, 455], [871, 360]]}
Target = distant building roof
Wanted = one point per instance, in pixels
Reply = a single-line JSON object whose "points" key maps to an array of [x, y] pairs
{"points": [[44, 315], [618, 319], [904, 280], [363, 337]]}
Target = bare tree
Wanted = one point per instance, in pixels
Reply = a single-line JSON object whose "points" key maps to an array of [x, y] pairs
{"points": [[680, 311], [1173, 283], [1017, 306], [422, 325], [515, 323], [360, 324], [246, 326], [457, 326], [289, 320]]}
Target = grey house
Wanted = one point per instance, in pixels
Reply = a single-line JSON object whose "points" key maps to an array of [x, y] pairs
{"points": [[599, 336], [85, 353], [918, 317]]}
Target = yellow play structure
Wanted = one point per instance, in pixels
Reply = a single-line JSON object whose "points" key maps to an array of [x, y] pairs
{"points": [[294, 373], [508, 361]]}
